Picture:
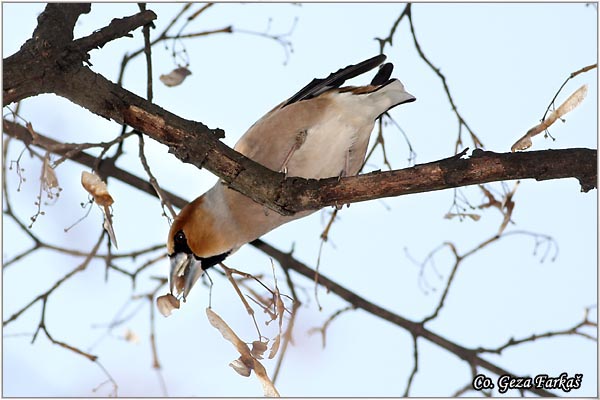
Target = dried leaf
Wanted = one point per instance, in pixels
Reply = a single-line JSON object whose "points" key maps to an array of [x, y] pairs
{"points": [[49, 179], [572, 102], [246, 359], [279, 306], [131, 337], [97, 188], [269, 389], [507, 215], [107, 225], [507, 207], [228, 333], [166, 304], [239, 367], [258, 349], [492, 201], [568, 105], [175, 77], [474, 217], [523, 143], [275, 346]]}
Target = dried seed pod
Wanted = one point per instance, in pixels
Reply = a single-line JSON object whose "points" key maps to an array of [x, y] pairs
{"points": [[97, 188], [569, 105], [175, 77], [239, 367], [166, 304], [258, 349]]}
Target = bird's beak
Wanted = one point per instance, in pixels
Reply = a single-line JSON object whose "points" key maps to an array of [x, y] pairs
{"points": [[185, 271]]}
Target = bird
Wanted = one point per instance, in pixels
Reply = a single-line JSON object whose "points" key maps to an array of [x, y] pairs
{"points": [[321, 131]]}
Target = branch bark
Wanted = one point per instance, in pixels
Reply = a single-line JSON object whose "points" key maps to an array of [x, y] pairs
{"points": [[480, 167], [35, 70], [299, 194]]}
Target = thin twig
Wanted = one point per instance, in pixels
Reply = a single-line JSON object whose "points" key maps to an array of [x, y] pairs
{"points": [[148, 54], [323, 329], [461, 121], [163, 199], [573, 75], [413, 373], [574, 330], [57, 284]]}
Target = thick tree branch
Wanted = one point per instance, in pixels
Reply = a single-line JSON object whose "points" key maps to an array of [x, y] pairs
{"points": [[298, 194], [481, 167], [25, 72], [51, 55], [56, 23], [194, 143], [51, 62]]}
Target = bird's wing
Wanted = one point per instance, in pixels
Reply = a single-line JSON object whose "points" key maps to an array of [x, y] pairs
{"points": [[383, 75], [336, 79]]}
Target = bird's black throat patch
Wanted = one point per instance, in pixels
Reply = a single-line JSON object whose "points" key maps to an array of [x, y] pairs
{"points": [[211, 261]]}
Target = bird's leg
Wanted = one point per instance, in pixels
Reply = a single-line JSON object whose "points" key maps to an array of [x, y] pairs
{"points": [[298, 142], [344, 173]]}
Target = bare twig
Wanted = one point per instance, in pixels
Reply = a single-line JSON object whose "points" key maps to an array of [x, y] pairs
{"points": [[229, 273], [461, 121], [115, 387], [164, 201], [573, 75], [287, 261], [323, 329], [43, 297], [574, 330], [287, 335], [413, 373], [148, 54], [390, 36], [281, 39]]}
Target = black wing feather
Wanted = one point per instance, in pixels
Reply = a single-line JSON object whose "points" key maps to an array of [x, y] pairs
{"points": [[383, 75], [335, 79]]}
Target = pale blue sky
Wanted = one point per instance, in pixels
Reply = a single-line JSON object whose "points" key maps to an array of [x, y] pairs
{"points": [[503, 62]]}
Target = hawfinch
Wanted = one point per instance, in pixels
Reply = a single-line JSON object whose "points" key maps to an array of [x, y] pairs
{"points": [[320, 132]]}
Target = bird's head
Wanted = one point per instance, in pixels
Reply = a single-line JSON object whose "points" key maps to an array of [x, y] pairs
{"points": [[193, 246]]}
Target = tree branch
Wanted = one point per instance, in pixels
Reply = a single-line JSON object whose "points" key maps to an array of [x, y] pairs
{"points": [[195, 143], [116, 29], [298, 194], [51, 62], [482, 167]]}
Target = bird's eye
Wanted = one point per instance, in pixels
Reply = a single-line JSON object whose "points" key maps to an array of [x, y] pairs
{"points": [[179, 237], [180, 243]]}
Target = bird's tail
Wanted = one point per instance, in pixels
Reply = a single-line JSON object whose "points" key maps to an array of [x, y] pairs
{"points": [[389, 95]]}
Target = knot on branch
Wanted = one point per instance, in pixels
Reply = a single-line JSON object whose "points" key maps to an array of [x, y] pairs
{"points": [[218, 132]]}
